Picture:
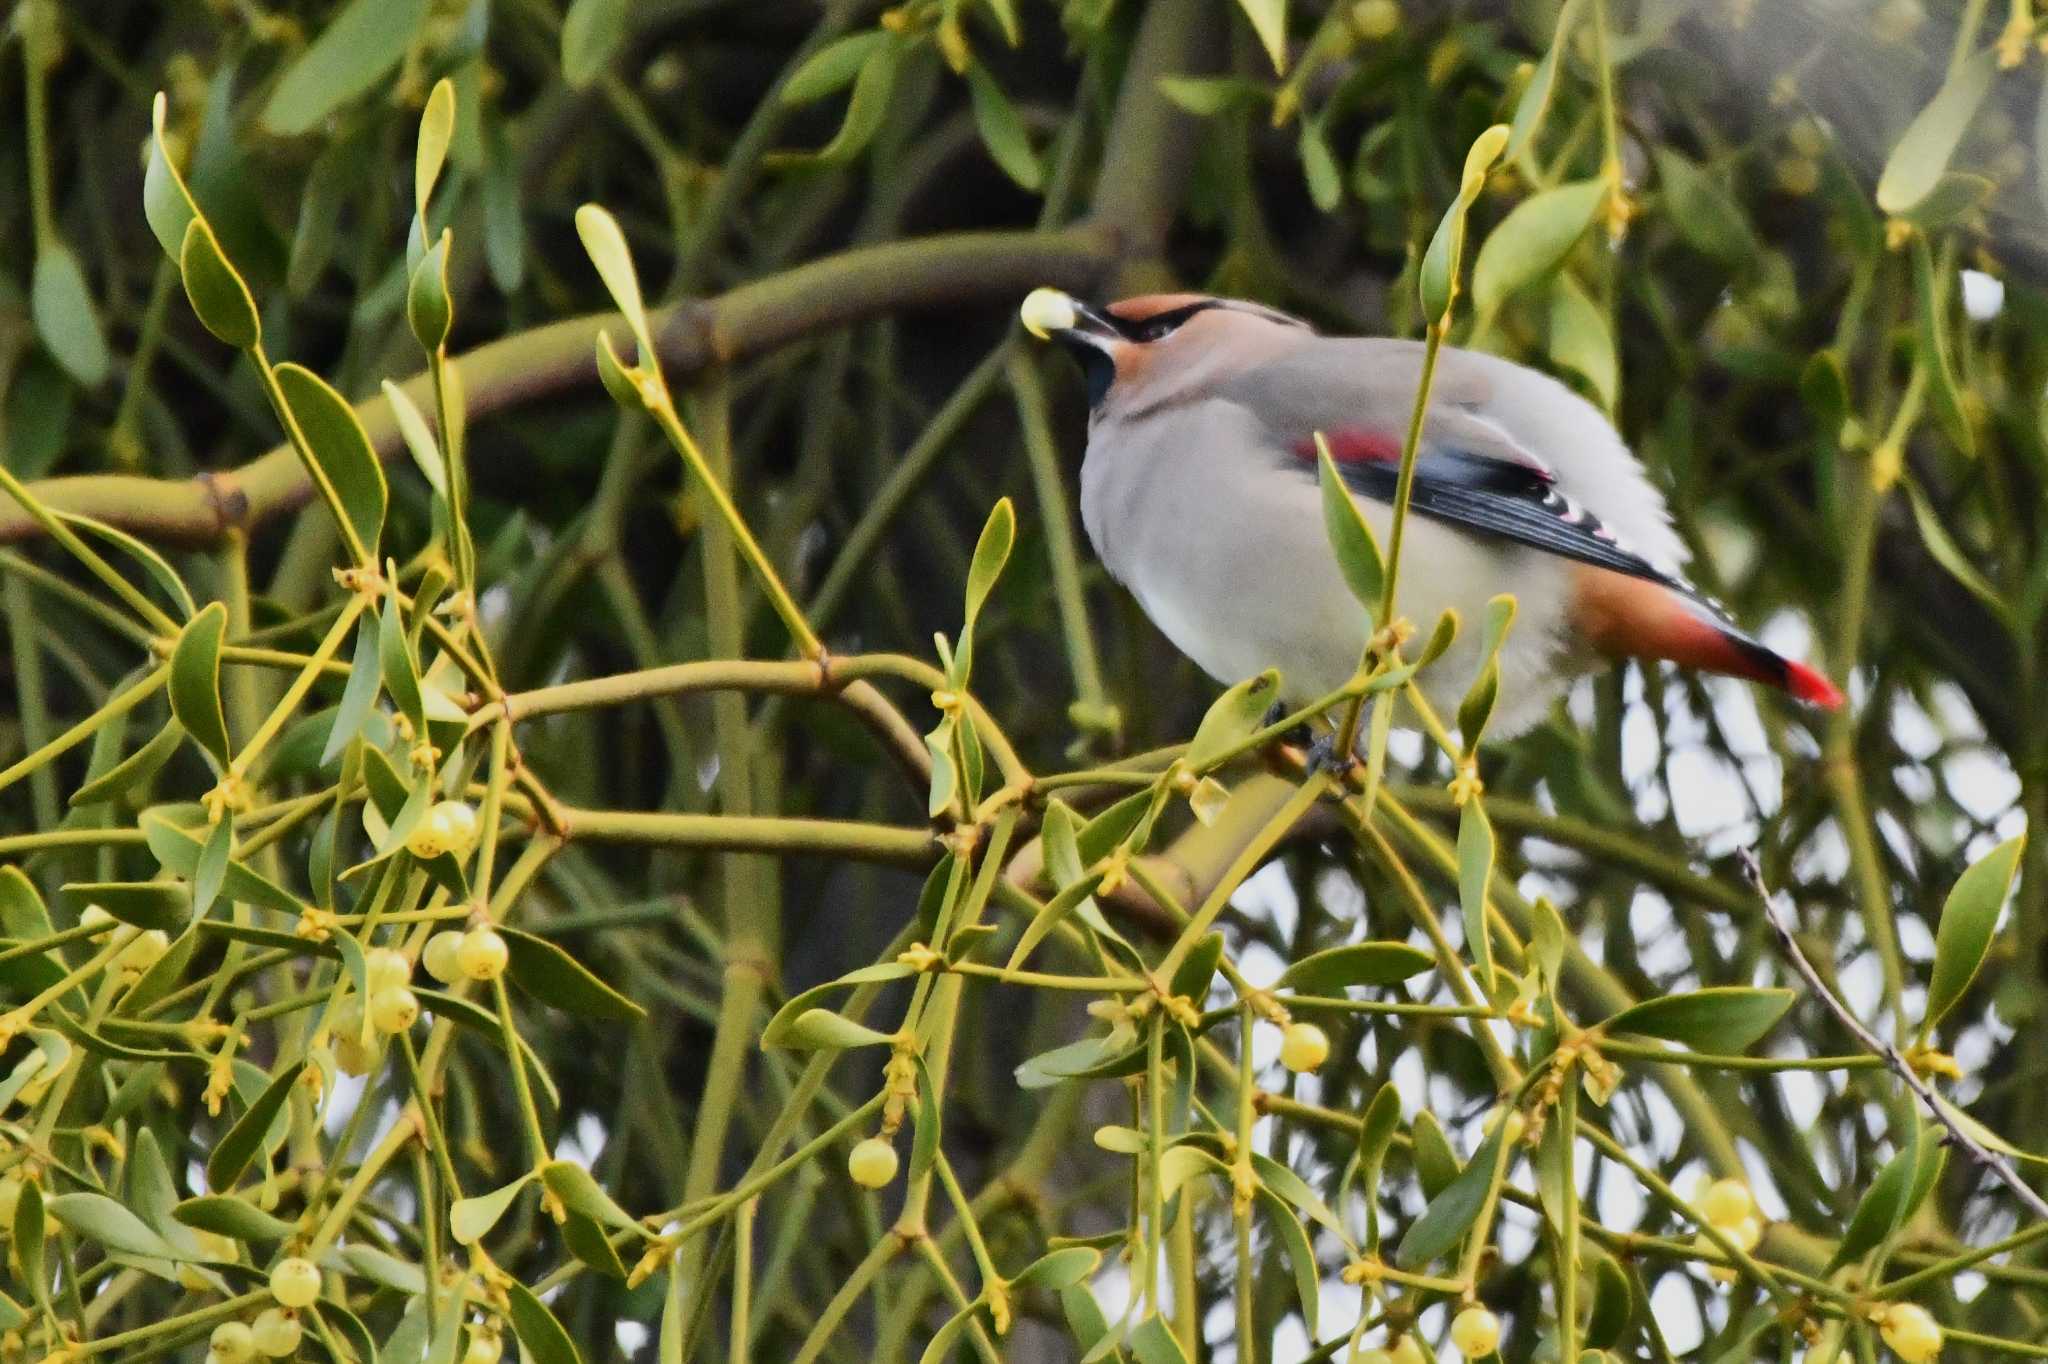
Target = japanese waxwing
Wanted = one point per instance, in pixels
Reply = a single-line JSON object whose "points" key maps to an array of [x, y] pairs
{"points": [[1199, 491]]}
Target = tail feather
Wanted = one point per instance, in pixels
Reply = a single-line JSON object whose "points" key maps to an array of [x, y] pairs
{"points": [[1625, 617]]}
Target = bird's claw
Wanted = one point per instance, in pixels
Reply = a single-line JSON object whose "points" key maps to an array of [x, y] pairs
{"points": [[1323, 756]]}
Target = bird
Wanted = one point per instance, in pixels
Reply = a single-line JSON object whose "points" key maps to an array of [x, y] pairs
{"points": [[1200, 494]]}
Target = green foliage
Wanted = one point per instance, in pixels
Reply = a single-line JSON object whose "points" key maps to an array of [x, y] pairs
{"points": [[651, 787]]}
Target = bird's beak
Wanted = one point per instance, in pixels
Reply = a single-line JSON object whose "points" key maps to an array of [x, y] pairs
{"points": [[1052, 315]]}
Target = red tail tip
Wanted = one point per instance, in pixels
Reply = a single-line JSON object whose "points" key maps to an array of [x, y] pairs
{"points": [[1810, 685]]}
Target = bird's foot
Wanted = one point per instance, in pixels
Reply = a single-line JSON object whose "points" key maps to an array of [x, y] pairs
{"points": [[1323, 756]]}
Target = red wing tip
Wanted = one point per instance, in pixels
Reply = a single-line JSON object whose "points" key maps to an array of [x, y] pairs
{"points": [[1810, 685]]}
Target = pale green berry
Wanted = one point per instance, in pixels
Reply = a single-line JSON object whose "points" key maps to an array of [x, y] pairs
{"points": [[393, 1009], [1476, 1332], [276, 1332], [1303, 1047], [482, 954], [295, 1282], [440, 959], [233, 1342], [872, 1164]]}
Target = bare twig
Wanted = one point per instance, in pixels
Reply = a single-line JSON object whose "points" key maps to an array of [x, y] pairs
{"points": [[1999, 1167]]}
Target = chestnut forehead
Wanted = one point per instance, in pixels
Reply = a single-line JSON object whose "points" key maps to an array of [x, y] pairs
{"points": [[1151, 305]]}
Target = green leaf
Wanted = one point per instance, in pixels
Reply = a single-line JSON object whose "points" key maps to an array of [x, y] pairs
{"points": [[1942, 389], [12, 1313], [1722, 1019], [358, 695], [209, 874], [1269, 21], [437, 130], [99, 1218], [592, 33], [991, 552], [1968, 919], [579, 1192], [1332, 970], [399, 671], [352, 55], [1319, 167], [1825, 389], [166, 203], [776, 1034], [65, 316], [1702, 212], [232, 1154], [1111, 829], [1375, 1135], [1059, 1269], [1206, 96], [1152, 1342], [940, 1348], [924, 1145], [1943, 549], [219, 297], [132, 770], [1533, 239], [1955, 196], [28, 1235], [1437, 279], [152, 562], [178, 851], [541, 1337], [195, 681], [1450, 1214], [1611, 1305], [1922, 153], [469, 1219], [368, 1262], [1475, 872], [823, 1030], [589, 1244], [1887, 1203], [427, 308], [548, 973], [1198, 968], [1301, 1255], [1358, 551], [1069, 899], [866, 108], [1231, 719], [1581, 341], [146, 904], [1477, 707], [341, 448], [419, 438], [1529, 109], [606, 246], [235, 1218], [1085, 1320], [832, 67], [1436, 1165], [1002, 130]]}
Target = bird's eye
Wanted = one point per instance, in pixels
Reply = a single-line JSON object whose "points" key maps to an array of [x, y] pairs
{"points": [[1161, 327]]}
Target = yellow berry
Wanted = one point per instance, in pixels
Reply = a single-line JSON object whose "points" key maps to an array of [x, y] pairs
{"points": [[393, 1009], [276, 1332], [1375, 1357], [1475, 1331], [143, 951], [484, 1347], [1303, 1047], [431, 837], [1726, 1202], [1375, 18], [439, 958], [1798, 176], [872, 1164], [1746, 1233], [387, 966], [459, 822], [232, 1342], [97, 918], [352, 1054], [1912, 1334], [1406, 1351], [295, 1282], [10, 1199], [482, 954]]}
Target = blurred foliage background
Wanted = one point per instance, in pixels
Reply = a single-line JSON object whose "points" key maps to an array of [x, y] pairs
{"points": [[1806, 283]]}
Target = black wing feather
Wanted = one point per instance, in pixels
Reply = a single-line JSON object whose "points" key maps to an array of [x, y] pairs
{"points": [[1508, 501]]}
